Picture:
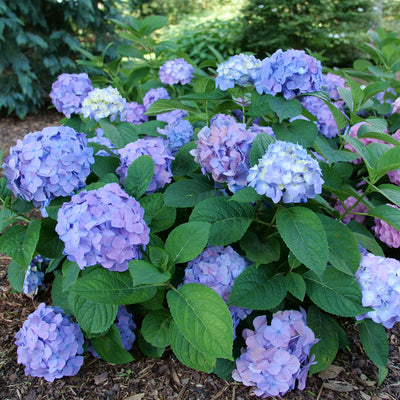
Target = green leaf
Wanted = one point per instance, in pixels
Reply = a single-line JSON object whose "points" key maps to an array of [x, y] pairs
{"points": [[229, 219], [258, 288], [391, 192], [156, 328], [70, 271], [344, 253], [59, 297], [109, 347], [388, 161], [144, 273], [303, 233], [335, 292], [368, 157], [299, 131], [112, 133], [16, 275], [139, 175], [388, 214], [203, 319], [295, 285], [259, 105], [164, 105], [285, 109], [149, 350], [187, 241], [159, 257], [129, 51], [259, 251], [184, 163], [49, 244], [104, 165], [374, 340], [111, 287], [259, 146], [364, 238], [346, 95], [326, 349], [246, 195]]}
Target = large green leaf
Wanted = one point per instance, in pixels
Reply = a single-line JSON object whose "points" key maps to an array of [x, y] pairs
{"points": [[374, 340], [262, 252], [388, 214], [365, 238], [156, 328], [285, 109], [184, 163], [391, 192], [144, 273], [295, 285], [259, 146], [299, 131], [49, 244], [303, 233], [112, 133], [16, 275], [163, 106], [139, 175]]}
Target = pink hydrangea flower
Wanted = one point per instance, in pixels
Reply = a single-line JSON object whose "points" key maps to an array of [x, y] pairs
{"points": [[387, 233]]}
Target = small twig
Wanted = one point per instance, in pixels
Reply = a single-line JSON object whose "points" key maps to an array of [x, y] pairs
{"points": [[219, 393], [320, 390]]}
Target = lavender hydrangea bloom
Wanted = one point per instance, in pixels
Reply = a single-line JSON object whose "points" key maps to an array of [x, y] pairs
{"points": [[103, 226], [265, 129], [286, 171], [277, 355], [157, 149], [103, 103], [347, 204], [178, 133], [292, 72], [330, 83], [49, 343], [217, 267], [176, 71], [172, 116], [223, 149], [153, 95], [46, 164], [34, 276], [68, 92], [134, 113], [379, 281], [104, 141], [387, 233], [239, 70]]}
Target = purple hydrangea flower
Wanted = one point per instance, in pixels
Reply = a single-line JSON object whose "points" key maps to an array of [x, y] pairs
{"points": [[104, 141], [217, 267], [265, 129], [347, 204], [380, 286], [239, 70], [387, 233], [176, 71], [223, 150], [277, 355], [134, 113], [292, 72], [34, 276], [103, 103], [157, 149], [330, 83], [286, 171], [49, 343], [172, 116], [46, 164], [103, 226], [178, 133], [68, 92], [394, 176], [153, 95]]}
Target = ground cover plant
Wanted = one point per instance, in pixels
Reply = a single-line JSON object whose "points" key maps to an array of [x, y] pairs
{"points": [[231, 211]]}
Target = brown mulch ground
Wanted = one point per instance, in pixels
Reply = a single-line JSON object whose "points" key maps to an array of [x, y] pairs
{"points": [[354, 377]]}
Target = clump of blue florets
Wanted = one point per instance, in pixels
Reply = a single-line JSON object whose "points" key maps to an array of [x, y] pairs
{"points": [[158, 150], [34, 275], [103, 103], [176, 71], [380, 286], [133, 112], [49, 344], [217, 267], [68, 92], [277, 355], [153, 95], [291, 72], [286, 171], [50, 163], [178, 133], [239, 70], [103, 226], [223, 150]]}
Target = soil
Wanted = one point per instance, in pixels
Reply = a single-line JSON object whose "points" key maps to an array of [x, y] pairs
{"points": [[352, 377]]}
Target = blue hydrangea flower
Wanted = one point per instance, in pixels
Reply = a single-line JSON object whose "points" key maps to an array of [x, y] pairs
{"points": [[172, 116], [49, 344], [103, 226], [158, 150], [178, 133], [102, 140], [134, 113], [103, 103], [68, 92], [277, 355], [34, 276], [176, 71], [239, 70], [50, 163], [286, 171], [330, 83], [291, 72], [265, 129], [223, 150], [153, 95], [380, 286], [217, 267]]}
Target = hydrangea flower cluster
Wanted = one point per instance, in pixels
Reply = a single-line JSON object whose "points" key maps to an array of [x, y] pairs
{"points": [[103, 226], [49, 163], [157, 149], [217, 267], [134, 113], [153, 95], [176, 71], [103, 103], [34, 276], [172, 116], [379, 281], [265, 129], [239, 70], [223, 150], [330, 83], [347, 204], [277, 355], [178, 133], [286, 171], [49, 343], [387, 233], [68, 92], [102, 140], [292, 72]]}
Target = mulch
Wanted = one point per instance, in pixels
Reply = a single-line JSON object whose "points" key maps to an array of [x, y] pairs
{"points": [[352, 377]]}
